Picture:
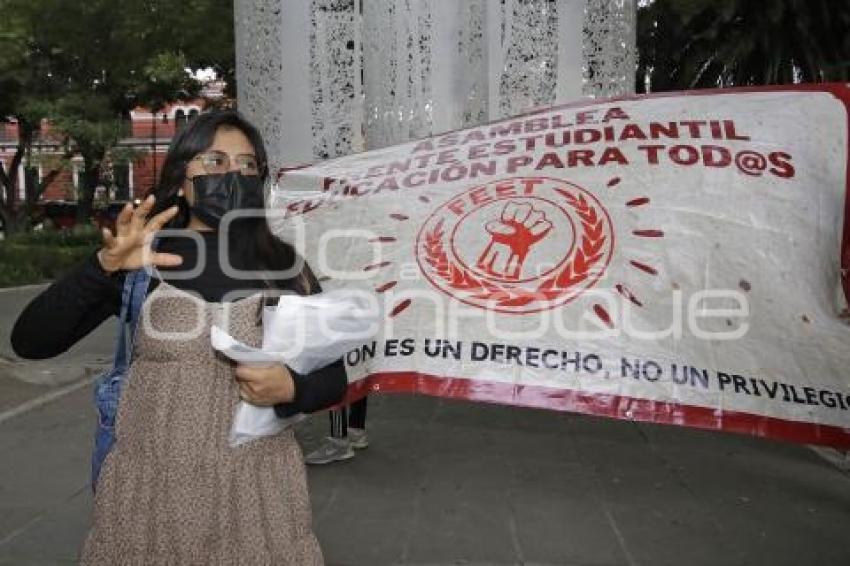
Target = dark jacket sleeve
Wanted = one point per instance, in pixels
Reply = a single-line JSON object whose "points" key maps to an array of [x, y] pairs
{"points": [[67, 311], [316, 390], [319, 389]]}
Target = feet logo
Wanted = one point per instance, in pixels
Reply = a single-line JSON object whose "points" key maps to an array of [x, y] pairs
{"points": [[519, 228], [517, 245]]}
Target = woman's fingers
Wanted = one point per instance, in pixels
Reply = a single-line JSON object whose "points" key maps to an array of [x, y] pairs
{"points": [[122, 222], [166, 260], [158, 221], [245, 393], [108, 238], [141, 212]]}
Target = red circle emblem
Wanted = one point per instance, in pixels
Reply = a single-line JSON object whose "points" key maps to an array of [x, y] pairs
{"points": [[517, 245]]}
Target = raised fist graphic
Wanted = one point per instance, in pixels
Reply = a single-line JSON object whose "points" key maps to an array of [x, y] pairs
{"points": [[511, 237]]}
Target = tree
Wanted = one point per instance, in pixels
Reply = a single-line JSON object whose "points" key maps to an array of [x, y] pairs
{"points": [[206, 35], [709, 43], [24, 90], [95, 61]]}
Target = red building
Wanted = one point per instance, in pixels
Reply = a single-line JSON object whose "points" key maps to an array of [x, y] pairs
{"points": [[150, 136]]}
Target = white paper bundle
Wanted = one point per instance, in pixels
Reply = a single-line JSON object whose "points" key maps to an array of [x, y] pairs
{"points": [[306, 334]]}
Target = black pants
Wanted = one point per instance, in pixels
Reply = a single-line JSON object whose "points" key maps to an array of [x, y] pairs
{"points": [[352, 416]]}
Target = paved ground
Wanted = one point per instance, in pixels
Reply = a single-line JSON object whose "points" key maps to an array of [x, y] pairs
{"points": [[447, 482]]}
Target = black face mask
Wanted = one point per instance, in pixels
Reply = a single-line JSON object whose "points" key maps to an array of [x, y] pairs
{"points": [[216, 195]]}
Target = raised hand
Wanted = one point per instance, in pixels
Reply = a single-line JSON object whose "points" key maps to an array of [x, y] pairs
{"points": [[130, 246], [511, 237]]}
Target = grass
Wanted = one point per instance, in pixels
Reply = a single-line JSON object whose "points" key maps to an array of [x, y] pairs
{"points": [[36, 257]]}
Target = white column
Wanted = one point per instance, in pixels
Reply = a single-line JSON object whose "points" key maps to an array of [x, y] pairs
{"points": [[22, 187], [76, 168], [569, 50], [610, 50], [428, 66], [260, 71], [298, 66]]}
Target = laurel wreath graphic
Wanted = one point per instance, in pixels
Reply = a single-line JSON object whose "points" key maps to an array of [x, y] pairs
{"points": [[574, 272]]}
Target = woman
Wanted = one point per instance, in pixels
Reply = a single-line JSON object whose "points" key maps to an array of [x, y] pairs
{"points": [[172, 490]]}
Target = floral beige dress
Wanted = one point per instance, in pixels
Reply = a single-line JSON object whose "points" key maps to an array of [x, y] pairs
{"points": [[172, 490]]}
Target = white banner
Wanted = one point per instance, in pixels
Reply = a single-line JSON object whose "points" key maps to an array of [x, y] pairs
{"points": [[673, 259]]}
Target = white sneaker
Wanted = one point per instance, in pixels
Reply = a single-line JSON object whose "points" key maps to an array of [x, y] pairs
{"points": [[331, 450], [357, 438]]}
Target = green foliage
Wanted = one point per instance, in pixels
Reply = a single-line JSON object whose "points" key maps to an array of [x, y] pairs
{"points": [[165, 79], [50, 161], [42, 256], [707, 43], [205, 37], [87, 119], [13, 62], [78, 236], [122, 155]]}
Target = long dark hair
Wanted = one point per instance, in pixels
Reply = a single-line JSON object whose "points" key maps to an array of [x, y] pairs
{"points": [[251, 242]]}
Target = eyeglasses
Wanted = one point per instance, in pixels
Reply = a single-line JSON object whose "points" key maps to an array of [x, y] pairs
{"points": [[217, 162]]}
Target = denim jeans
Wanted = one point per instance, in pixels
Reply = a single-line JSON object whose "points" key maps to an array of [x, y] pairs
{"points": [[107, 392], [107, 389]]}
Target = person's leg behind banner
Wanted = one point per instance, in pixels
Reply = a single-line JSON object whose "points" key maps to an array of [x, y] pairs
{"points": [[348, 433], [357, 425]]}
